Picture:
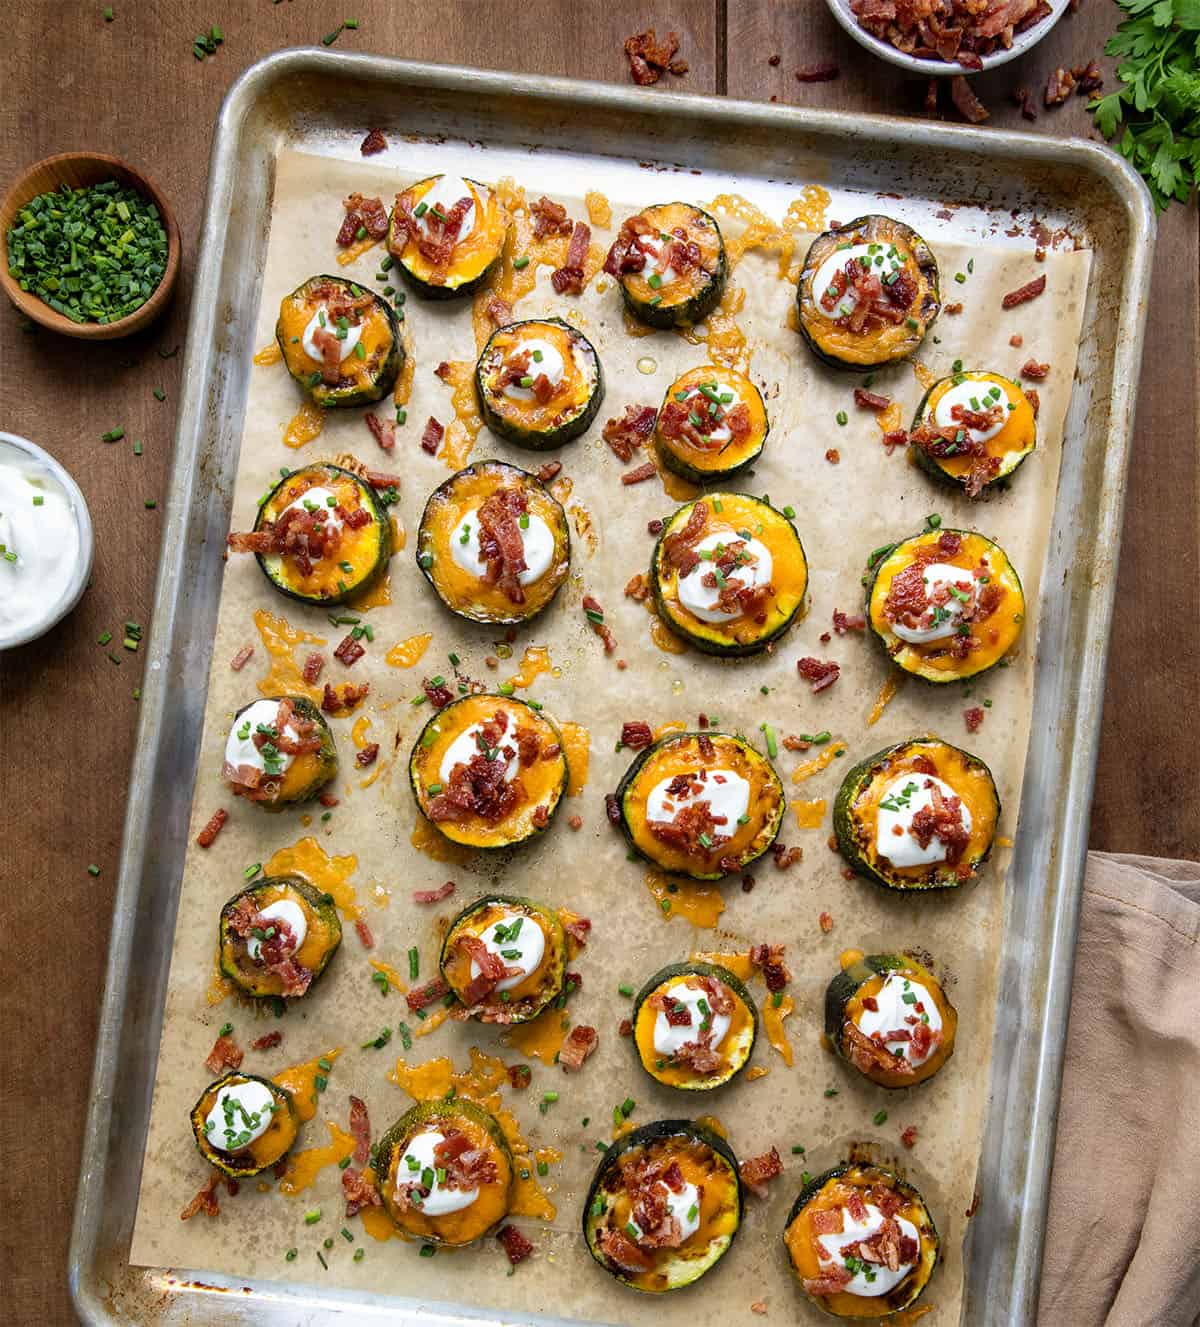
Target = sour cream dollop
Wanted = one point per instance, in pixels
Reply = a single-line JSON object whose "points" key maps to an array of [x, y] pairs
{"points": [[684, 1206], [523, 951], [465, 748], [884, 259], [699, 599], [948, 616], [417, 1166], [448, 190], [653, 246], [282, 911], [550, 363], [669, 1038], [901, 801], [972, 395], [537, 540], [899, 999], [316, 500], [239, 745], [323, 321], [241, 1113], [870, 1278], [725, 792]]}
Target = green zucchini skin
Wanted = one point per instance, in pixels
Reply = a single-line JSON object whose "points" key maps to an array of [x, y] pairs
{"points": [[491, 406], [529, 1007], [382, 375], [929, 464], [699, 306], [223, 1161], [228, 943], [680, 1273], [433, 290], [741, 1057], [327, 759]]}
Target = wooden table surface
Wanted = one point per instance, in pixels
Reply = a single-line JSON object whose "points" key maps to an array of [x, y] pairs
{"points": [[133, 88]]}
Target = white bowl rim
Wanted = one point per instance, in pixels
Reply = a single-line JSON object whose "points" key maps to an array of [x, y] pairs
{"points": [[1022, 42], [83, 520]]}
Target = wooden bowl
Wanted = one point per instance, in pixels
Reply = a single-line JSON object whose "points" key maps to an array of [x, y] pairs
{"points": [[79, 169]]}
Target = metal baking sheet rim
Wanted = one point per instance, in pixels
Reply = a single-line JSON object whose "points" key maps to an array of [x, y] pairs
{"points": [[1005, 1239]]}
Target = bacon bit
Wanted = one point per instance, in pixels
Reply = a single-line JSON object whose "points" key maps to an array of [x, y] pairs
{"points": [[374, 142], [833, 456], [328, 799], [357, 1192], [968, 104], [895, 438], [549, 218], [579, 929], [638, 588], [267, 1042], [225, 1054], [1088, 78], [208, 834], [378, 479], [636, 735], [568, 279], [595, 617], [821, 673], [640, 475], [312, 668], [364, 934], [575, 823], [1016, 340], [630, 431], [823, 71], [515, 1244], [871, 400], [1059, 87], [427, 994], [612, 809], [349, 652], [845, 622], [206, 1200], [952, 308], [549, 471], [649, 58], [909, 1136], [1023, 98], [769, 959], [930, 103], [382, 430], [581, 1042], [759, 1306], [973, 718], [1031, 395], [1032, 369], [434, 895], [1023, 294], [367, 214], [241, 658], [431, 438], [747, 883], [757, 1172], [654, 527], [825, 922], [520, 1076], [342, 699], [785, 857], [625, 1028], [975, 1201], [366, 757], [360, 1129]]}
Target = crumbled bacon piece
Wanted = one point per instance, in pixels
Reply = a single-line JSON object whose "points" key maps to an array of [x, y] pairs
{"points": [[358, 1191], [968, 104], [374, 142], [758, 1306], [973, 718], [349, 651], [1088, 78], [654, 527], [636, 735], [825, 922], [638, 588], [515, 1244], [649, 58], [953, 309], [579, 929], [1059, 86], [206, 1200], [625, 1028], [312, 668], [382, 430], [549, 471], [568, 279], [1023, 294], [895, 438], [757, 1172], [427, 994], [784, 856], [871, 400], [431, 437], [769, 959], [1032, 369], [595, 616], [612, 809], [225, 1054], [630, 431], [1023, 97], [909, 1136], [438, 694], [641, 474], [1016, 340], [1031, 395], [832, 455], [366, 757], [580, 1043], [268, 1041], [847, 622], [241, 658], [520, 1076], [342, 699], [379, 480], [360, 1131], [549, 218], [367, 214], [821, 673], [820, 72], [208, 834], [434, 895]]}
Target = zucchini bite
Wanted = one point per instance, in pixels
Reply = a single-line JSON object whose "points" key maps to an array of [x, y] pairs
{"points": [[694, 1026], [887, 1015], [669, 261], [279, 752], [471, 562], [488, 771], [340, 341], [277, 937], [880, 1215], [664, 1205], [446, 1172], [447, 234], [972, 430], [539, 383], [702, 805], [931, 806], [321, 536], [505, 958], [867, 294], [244, 1124], [945, 604], [712, 424], [728, 574]]}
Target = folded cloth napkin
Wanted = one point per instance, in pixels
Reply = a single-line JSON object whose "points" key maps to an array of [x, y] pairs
{"points": [[1122, 1240]]}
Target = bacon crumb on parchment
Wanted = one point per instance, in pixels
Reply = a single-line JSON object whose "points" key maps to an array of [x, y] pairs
{"points": [[641, 474], [638, 734], [364, 934], [909, 1136], [268, 1041], [431, 437], [953, 309], [595, 617], [973, 718], [825, 922], [515, 1244], [382, 430], [966, 102], [241, 658], [629, 431], [208, 834], [821, 673], [580, 1043], [434, 895], [549, 471], [520, 1076], [575, 823], [833, 456], [870, 400], [1023, 294], [225, 1054], [1032, 369], [757, 1172]]}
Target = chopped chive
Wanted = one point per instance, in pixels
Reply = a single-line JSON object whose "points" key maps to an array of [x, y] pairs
{"points": [[414, 963], [842, 417], [93, 869], [520, 263]]}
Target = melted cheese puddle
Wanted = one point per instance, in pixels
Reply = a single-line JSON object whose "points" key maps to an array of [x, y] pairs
{"points": [[576, 741], [270, 354], [464, 428], [886, 692], [696, 901], [738, 964], [377, 595], [280, 639], [809, 815], [330, 875], [301, 1081], [541, 1038], [534, 662], [409, 652], [305, 425], [304, 1167], [436, 846], [806, 769], [772, 1017]]}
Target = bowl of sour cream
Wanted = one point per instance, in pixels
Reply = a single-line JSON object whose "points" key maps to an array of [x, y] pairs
{"points": [[45, 541]]}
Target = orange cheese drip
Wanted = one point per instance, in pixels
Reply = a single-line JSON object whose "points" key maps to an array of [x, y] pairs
{"points": [[713, 1125], [696, 901], [463, 429], [849, 957], [891, 419], [807, 213], [305, 425], [671, 726], [301, 1081], [725, 340], [738, 964], [409, 652], [576, 742], [773, 1016], [304, 1167], [330, 875], [809, 814], [376, 595], [534, 662], [375, 1220], [403, 388], [541, 1038], [1003, 841], [269, 355], [356, 250], [599, 209], [806, 769], [426, 839], [280, 639], [760, 231], [886, 692], [395, 980], [923, 374], [757, 1072], [219, 987], [665, 638]]}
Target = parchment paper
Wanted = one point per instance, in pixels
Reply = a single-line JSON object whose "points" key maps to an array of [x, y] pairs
{"points": [[843, 511]]}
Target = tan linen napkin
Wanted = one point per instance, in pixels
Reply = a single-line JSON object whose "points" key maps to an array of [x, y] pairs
{"points": [[1123, 1234]]}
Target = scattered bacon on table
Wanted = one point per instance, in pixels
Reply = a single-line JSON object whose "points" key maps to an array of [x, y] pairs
{"points": [[551, 470], [549, 218], [649, 58], [313, 666], [784, 856], [973, 718], [520, 1075], [374, 142], [1032, 369], [268, 1041], [822, 71], [241, 658], [769, 961], [636, 734], [342, 699], [821, 673], [847, 622], [366, 214], [966, 102], [1033, 398], [1059, 85], [431, 437], [639, 476], [225, 1054], [515, 1244], [434, 895], [427, 994], [630, 431], [757, 1172], [381, 481], [870, 400], [595, 615], [366, 757], [349, 652], [382, 430], [358, 1192], [206, 1200], [360, 1130], [1023, 294], [208, 834], [568, 279], [364, 934]]}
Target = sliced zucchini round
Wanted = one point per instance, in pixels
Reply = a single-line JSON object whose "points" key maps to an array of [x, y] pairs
{"points": [[694, 1026], [945, 604], [729, 574], [244, 1139], [862, 1285], [488, 771], [973, 429], [426, 1188], [451, 543], [887, 1015], [539, 383], [442, 247], [931, 805], [254, 952], [274, 771], [321, 536], [702, 805], [670, 263], [517, 933], [690, 1227], [879, 311], [328, 314], [712, 424]]}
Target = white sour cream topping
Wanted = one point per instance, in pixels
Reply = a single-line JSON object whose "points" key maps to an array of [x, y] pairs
{"points": [[551, 364], [884, 259], [465, 748], [282, 911], [882, 1280], [700, 599], [316, 500], [308, 340], [894, 1010], [904, 797], [448, 190], [963, 395], [241, 750], [652, 246], [684, 1206], [668, 1038], [721, 432], [726, 793], [248, 1118], [938, 574], [441, 1201], [44, 539], [536, 539], [529, 946]]}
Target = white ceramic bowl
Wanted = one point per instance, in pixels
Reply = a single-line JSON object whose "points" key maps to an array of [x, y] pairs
{"points": [[1022, 42], [56, 609]]}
